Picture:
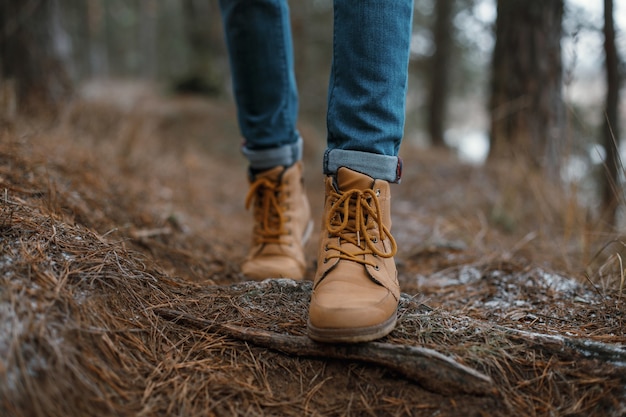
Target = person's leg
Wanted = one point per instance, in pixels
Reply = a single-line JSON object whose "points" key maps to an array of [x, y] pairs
{"points": [[368, 84], [356, 291], [258, 37]]}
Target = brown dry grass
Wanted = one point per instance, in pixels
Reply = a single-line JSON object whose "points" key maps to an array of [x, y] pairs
{"points": [[117, 208]]}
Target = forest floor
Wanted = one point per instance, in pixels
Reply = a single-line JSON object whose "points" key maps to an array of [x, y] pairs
{"points": [[125, 214]]}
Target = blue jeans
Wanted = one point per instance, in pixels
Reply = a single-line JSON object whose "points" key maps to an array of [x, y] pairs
{"points": [[366, 93]]}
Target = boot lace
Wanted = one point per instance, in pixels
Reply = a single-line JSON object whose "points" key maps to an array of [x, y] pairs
{"points": [[269, 214], [353, 217]]}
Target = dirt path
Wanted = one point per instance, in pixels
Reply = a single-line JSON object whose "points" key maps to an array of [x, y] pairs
{"points": [[130, 203]]}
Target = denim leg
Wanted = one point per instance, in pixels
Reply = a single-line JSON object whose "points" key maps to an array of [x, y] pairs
{"points": [[368, 83], [258, 37]]}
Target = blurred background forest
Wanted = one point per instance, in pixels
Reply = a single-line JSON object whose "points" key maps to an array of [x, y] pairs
{"points": [[533, 82]]}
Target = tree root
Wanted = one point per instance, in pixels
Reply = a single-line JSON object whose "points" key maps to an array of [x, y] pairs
{"points": [[428, 368], [568, 347]]}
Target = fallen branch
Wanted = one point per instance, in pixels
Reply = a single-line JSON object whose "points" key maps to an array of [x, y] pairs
{"points": [[430, 369]]}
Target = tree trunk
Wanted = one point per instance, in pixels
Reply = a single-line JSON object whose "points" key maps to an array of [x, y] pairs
{"points": [[148, 13], [29, 55], [527, 109], [439, 72], [200, 21], [97, 45], [611, 189]]}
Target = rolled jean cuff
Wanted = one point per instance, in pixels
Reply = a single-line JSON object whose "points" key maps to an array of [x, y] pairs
{"points": [[285, 155], [380, 167]]}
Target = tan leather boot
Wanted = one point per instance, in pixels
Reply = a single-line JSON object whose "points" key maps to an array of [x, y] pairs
{"points": [[356, 291], [282, 224]]}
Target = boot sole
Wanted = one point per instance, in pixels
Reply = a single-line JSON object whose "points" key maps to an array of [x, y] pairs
{"points": [[352, 335]]}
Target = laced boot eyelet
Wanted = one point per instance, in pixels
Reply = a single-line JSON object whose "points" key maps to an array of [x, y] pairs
{"points": [[325, 260], [378, 192], [376, 268]]}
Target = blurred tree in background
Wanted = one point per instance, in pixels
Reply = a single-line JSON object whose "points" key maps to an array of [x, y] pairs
{"points": [[467, 79], [438, 94], [32, 46], [612, 193], [527, 108], [202, 31]]}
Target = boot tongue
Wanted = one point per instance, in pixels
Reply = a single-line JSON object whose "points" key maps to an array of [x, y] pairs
{"points": [[271, 174], [351, 180]]}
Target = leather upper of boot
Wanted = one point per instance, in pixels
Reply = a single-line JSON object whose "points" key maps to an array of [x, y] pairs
{"points": [[356, 282], [282, 220]]}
